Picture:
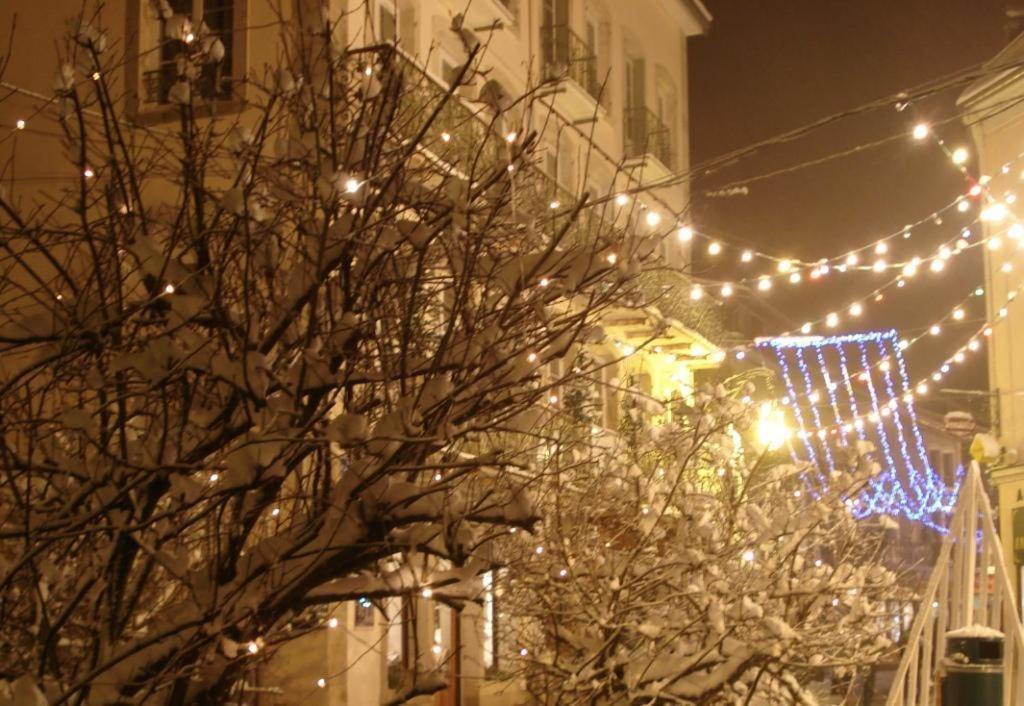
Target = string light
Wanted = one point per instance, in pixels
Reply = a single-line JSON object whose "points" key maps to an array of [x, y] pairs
{"points": [[727, 290], [920, 131], [653, 219], [19, 125], [714, 248], [685, 234], [960, 155]]}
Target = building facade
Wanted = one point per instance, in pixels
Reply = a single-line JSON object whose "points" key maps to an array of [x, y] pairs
{"points": [[992, 110], [613, 76]]}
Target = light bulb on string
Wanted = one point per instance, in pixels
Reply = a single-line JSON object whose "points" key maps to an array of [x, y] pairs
{"points": [[764, 284], [856, 309], [685, 234], [785, 266], [963, 206], [747, 256], [882, 248], [852, 259], [714, 248], [959, 314], [621, 200], [696, 292], [794, 278], [920, 131], [879, 266], [653, 219], [994, 243], [975, 190], [727, 290], [937, 266], [832, 320], [960, 155], [935, 330], [20, 125], [994, 213]]}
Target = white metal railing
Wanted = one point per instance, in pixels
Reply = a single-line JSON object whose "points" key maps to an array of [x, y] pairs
{"points": [[958, 595]]}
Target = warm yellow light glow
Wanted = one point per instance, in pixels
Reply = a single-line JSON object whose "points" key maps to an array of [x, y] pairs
{"points": [[857, 309], [697, 292], [653, 219], [772, 431], [960, 155], [832, 320], [714, 248], [995, 212], [764, 284], [920, 131], [747, 256], [727, 290], [785, 265], [685, 234]]}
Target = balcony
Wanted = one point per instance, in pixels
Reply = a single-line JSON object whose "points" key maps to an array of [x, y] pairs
{"points": [[569, 58], [646, 135], [157, 84]]}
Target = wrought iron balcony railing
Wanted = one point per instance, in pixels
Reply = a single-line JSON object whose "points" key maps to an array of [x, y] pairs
{"points": [[567, 55], [211, 84], [646, 134]]}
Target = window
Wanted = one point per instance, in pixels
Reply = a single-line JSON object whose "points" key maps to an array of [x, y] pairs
{"points": [[399, 617], [387, 20], [197, 30], [491, 626]]}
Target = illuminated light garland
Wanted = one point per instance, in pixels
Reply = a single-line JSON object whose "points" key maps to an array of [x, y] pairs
{"points": [[906, 486]]}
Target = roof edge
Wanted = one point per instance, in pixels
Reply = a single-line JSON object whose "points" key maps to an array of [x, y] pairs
{"points": [[700, 12]]}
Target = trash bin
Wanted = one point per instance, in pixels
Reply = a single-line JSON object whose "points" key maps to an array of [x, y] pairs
{"points": [[973, 667]]}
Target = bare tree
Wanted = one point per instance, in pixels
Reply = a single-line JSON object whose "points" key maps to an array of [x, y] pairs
{"points": [[257, 365], [686, 564]]}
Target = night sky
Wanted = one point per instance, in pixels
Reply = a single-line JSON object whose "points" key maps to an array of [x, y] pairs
{"points": [[768, 66]]}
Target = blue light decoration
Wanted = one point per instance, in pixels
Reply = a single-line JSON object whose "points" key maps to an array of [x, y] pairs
{"points": [[830, 412]]}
